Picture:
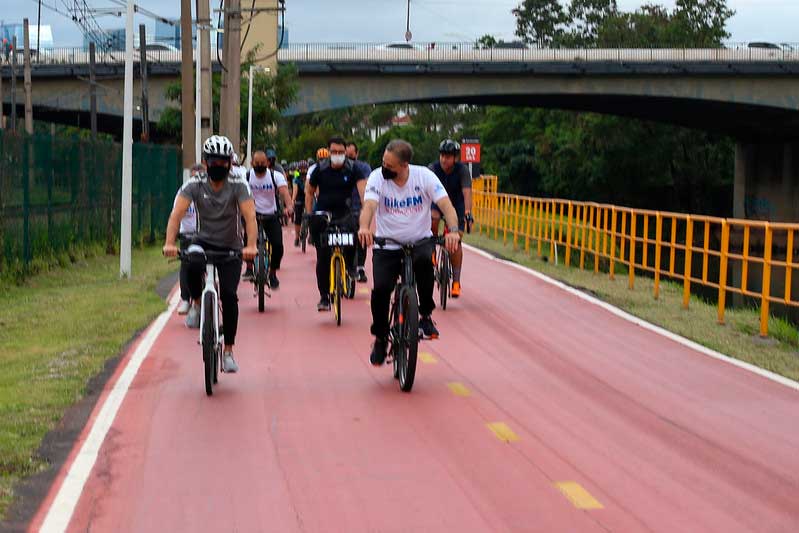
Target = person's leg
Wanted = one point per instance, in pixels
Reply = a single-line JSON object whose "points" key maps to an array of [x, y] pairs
{"points": [[435, 220], [228, 273], [423, 271], [322, 257], [185, 294], [457, 258], [275, 235], [386, 265]]}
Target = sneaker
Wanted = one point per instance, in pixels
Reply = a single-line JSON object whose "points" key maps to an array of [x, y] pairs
{"points": [[274, 283], [324, 304], [456, 289], [193, 317], [249, 275], [427, 328], [183, 307], [350, 287], [297, 243], [378, 356], [229, 365], [362, 275]]}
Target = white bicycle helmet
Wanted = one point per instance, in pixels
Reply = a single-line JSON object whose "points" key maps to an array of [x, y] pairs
{"points": [[218, 146]]}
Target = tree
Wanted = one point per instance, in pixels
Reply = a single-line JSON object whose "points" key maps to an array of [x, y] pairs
{"points": [[540, 22], [485, 42], [586, 16], [703, 22]]}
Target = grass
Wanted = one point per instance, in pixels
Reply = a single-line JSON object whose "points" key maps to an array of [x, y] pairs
{"points": [[738, 338], [57, 330]]}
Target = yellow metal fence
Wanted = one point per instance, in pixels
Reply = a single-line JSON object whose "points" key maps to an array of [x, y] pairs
{"points": [[755, 259]]}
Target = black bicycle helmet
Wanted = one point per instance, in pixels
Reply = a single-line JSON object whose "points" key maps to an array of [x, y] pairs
{"points": [[448, 146]]}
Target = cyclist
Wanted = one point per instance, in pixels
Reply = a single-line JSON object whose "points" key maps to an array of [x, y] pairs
{"points": [[188, 227], [334, 179], [265, 185], [238, 170], [271, 155], [456, 179], [401, 195], [352, 154], [220, 200], [298, 197]]}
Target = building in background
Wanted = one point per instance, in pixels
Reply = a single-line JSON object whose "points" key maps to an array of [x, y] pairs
{"points": [[9, 31]]}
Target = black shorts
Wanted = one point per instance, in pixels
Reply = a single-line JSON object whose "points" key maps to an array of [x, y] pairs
{"points": [[299, 209], [461, 217]]}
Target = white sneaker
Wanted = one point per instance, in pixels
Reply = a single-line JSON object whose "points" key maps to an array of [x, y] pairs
{"points": [[193, 317], [183, 307], [229, 365]]}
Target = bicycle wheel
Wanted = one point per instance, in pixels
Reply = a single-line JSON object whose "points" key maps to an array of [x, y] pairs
{"points": [[260, 279], [338, 291], [209, 343], [409, 334], [443, 278]]}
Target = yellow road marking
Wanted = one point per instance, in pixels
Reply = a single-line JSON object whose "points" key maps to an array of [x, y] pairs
{"points": [[427, 358], [459, 389], [503, 432], [579, 497]]}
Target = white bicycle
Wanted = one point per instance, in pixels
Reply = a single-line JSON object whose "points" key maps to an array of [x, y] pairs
{"points": [[211, 335]]}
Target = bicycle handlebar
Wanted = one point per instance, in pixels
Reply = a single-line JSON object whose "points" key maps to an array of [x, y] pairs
{"points": [[211, 255]]}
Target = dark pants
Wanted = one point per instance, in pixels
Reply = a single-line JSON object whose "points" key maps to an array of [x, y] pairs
{"points": [[274, 233], [386, 268], [323, 251], [229, 272], [185, 295]]}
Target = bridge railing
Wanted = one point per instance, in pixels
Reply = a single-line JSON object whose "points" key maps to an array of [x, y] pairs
{"points": [[754, 259], [421, 53], [433, 52]]}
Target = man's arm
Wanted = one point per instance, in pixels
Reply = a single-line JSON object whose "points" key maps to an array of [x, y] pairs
{"points": [[361, 188], [310, 191], [453, 238], [287, 201], [247, 208], [295, 191], [467, 199], [178, 212], [367, 215]]}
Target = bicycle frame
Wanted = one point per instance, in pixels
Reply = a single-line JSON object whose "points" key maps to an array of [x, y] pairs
{"points": [[211, 286]]}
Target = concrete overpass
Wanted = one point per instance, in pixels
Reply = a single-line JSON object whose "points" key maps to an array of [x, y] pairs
{"points": [[751, 94]]}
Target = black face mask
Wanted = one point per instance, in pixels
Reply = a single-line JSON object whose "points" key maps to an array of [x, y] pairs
{"points": [[388, 174], [260, 169], [217, 173]]}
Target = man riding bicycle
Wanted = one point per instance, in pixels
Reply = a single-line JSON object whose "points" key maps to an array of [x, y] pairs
{"points": [[220, 199], [352, 154], [265, 184], [298, 198], [456, 179], [401, 195], [335, 179]]}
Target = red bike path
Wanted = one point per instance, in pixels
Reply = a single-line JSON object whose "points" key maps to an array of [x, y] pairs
{"points": [[534, 411]]}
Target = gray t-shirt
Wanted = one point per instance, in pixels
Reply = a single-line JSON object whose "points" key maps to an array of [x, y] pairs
{"points": [[218, 212]]}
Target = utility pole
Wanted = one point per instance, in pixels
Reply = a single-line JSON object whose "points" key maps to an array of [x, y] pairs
{"points": [[223, 89], [145, 109], [204, 51], [39, 34], [92, 91], [2, 99], [198, 100], [14, 84], [233, 37], [187, 89], [127, 152], [27, 78]]}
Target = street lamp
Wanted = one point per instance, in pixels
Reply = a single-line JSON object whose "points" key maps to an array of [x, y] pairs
{"points": [[253, 68]]}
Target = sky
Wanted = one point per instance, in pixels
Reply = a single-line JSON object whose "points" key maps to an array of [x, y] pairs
{"points": [[431, 20]]}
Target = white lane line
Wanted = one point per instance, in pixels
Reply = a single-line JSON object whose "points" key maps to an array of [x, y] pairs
{"points": [[60, 512], [643, 323]]}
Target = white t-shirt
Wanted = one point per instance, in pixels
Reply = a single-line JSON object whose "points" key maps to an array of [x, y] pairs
{"points": [[188, 224], [263, 190], [403, 213], [239, 172]]}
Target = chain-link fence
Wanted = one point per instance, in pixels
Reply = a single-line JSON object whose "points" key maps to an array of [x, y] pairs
{"points": [[58, 193]]}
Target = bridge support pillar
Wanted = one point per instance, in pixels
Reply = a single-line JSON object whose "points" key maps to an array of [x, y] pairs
{"points": [[766, 188]]}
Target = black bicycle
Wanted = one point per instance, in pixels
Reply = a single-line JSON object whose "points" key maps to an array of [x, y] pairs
{"points": [[403, 336], [260, 272], [211, 335]]}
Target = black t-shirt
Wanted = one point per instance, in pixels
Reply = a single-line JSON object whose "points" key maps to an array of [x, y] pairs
{"points": [[454, 183], [299, 184], [335, 187]]}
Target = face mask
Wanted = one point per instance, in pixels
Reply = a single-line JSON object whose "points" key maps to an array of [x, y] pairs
{"points": [[217, 173], [260, 169], [338, 159], [388, 174]]}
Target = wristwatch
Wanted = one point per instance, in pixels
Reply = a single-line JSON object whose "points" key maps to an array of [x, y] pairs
{"points": [[456, 229]]}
